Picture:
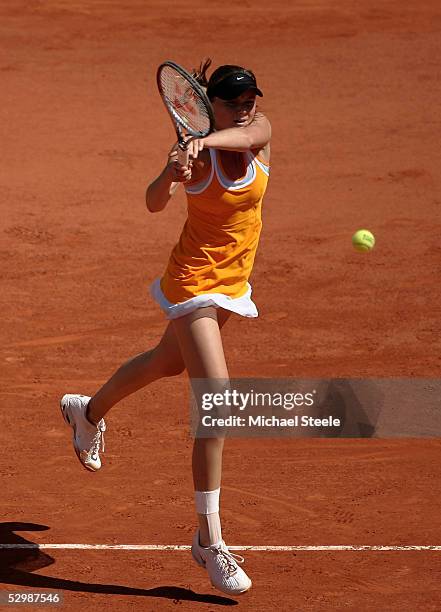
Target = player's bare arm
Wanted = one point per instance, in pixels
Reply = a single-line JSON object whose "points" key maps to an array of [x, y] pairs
{"points": [[164, 186], [256, 135]]}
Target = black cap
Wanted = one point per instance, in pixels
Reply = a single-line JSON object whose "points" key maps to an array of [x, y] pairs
{"points": [[233, 85]]}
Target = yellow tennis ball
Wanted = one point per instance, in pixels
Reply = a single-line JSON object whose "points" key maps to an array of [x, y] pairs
{"points": [[363, 240]]}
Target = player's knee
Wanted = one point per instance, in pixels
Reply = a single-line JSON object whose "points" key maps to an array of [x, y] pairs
{"points": [[174, 369], [168, 364]]}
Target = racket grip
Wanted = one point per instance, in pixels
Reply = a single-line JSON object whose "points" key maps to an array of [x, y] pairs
{"points": [[183, 156]]}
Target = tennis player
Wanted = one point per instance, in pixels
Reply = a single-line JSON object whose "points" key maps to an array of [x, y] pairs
{"points": [[205, 281]]}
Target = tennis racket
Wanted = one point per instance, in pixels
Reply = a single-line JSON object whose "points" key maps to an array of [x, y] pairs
{"points": [[187, 104]]}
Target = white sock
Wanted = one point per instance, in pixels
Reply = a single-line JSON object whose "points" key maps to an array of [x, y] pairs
{"points": [[207, 507]]}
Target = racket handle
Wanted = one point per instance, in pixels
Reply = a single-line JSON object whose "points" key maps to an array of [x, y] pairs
{"points": [[183, 156]]}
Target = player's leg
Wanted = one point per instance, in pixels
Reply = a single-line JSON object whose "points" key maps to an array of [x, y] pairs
{"points": [[85, 414], [162, 361], [201, 347], [138, 372]]}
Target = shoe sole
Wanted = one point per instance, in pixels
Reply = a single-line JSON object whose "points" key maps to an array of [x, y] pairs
{"points": [[64, 412]]}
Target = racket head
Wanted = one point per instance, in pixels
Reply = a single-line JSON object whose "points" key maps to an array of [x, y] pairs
{"points": [[185, 100]]}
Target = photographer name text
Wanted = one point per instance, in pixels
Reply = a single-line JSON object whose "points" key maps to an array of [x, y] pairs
{"points": [[270, 421]]}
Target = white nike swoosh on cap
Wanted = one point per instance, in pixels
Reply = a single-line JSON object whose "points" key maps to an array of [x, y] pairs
{"points": [[238, 78]]}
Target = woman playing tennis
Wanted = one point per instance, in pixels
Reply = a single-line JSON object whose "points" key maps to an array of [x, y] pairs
{"points": [[205, 281]]}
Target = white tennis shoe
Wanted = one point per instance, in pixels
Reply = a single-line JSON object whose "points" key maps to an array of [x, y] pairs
{"points": [[88, 439], [222, 567]]}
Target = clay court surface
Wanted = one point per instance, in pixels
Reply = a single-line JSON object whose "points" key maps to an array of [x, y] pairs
{"points": [[352, 90]]}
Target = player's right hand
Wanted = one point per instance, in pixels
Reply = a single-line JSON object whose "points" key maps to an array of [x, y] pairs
{"points": [[178, 173]]}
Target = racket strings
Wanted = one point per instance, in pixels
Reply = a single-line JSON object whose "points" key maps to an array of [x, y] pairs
{"points": [[184, 102]]}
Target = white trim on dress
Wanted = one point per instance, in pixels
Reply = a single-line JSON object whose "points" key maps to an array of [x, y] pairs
{"points": [[242, 305], [230, 185], [262, 166], [202, 186], [223, 180]]}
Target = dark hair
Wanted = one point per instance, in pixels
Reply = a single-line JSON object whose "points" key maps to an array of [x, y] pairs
{"points": [[200, 74]]}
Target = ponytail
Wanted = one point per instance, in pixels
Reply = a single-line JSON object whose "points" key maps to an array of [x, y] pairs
{"points": [[200, 74]]}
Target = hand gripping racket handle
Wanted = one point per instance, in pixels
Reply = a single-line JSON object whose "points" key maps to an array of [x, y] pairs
{"points": [[183, 155]]}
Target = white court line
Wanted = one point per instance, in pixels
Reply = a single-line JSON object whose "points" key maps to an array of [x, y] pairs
{"points": [[178, 547]]}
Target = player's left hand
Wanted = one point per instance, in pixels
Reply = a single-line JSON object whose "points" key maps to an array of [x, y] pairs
{"points": [[195, 146]]}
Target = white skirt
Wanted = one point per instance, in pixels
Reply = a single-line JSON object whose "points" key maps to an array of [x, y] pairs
{"points": [[242, 305]]}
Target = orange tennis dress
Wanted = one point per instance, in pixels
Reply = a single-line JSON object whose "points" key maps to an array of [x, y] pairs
{"points": [[211, 263]]}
